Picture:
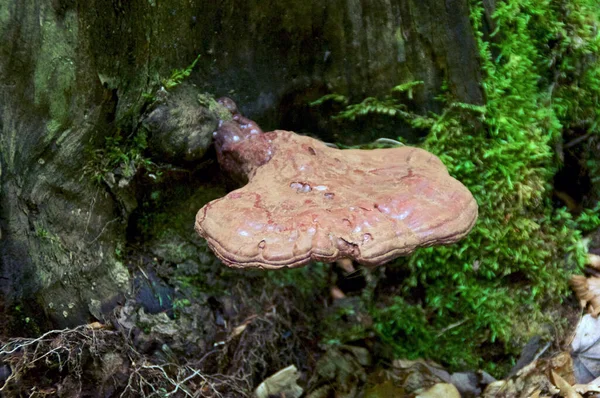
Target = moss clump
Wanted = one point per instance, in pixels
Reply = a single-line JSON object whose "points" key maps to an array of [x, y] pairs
{"points": [[210, 103], [124, 153], [489, 291]]}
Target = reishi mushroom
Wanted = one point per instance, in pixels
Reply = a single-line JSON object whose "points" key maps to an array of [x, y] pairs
{"points": [[305, 201]]}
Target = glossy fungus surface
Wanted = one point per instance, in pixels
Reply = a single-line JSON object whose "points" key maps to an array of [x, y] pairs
{"points": [[305, 201]]}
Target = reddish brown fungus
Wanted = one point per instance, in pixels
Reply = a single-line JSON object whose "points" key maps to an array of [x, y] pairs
{"points": [[324, 204]]}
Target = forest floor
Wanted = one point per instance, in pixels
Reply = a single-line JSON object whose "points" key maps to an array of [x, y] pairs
{"points": [[168, 340], [195, 328]]}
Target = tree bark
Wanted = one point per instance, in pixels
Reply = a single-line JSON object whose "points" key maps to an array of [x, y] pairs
{"points": [[73, 72]]}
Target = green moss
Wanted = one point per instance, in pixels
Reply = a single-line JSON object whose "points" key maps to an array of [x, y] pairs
{"points": [[127, 153], [208, 101], [306, 281], [5, 16], [346, 321], [172, 210], [589, 219], [485, 296], [54, 76], [405, 328]]}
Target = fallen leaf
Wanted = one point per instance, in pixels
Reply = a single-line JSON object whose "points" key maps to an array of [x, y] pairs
{"points": [[593, 260], [587, 388], [586, 350], [96, 325], [468, 383], [339, 372], [587, 291], [562, 364], [423, 366], [536, 394], [384, 389], [238, 330], [282, 383], [336, 293], [440, 390], [566, 390], [530, 381], [591, 387]]}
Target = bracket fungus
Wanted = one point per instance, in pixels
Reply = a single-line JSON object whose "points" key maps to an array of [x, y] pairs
{"points": [[305, 201]]}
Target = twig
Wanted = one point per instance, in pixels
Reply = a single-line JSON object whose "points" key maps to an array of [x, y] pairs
{"points": [[456, 324], [577, 140], [29, 342], [102, 231]]}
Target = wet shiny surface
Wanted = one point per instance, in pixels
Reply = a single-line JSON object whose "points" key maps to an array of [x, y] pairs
{"points": [[306, 201]]}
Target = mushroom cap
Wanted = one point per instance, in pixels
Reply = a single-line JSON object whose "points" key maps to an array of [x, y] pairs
{"points": [[309, 202]]}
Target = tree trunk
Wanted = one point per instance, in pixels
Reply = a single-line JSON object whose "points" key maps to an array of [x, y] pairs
{"points": [[75, 72]]}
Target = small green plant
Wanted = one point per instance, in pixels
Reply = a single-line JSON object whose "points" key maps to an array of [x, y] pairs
{"points": [[124, 154], [23, 322], [391, 105], [179, 75], [42, 233], [407, 88], [338, 98], [176, 78], [119, 251], [179, 304], [49, 238]]}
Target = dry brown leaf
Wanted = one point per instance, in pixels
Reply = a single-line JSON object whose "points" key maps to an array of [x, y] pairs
{"points": [[587, 388], [440, 390], [588, 292], [498, 388], [346, 265], [282, 383], [431, 368], [536, 394], [527, 370], [562, 364], [566, 390], [416, 375], [336, 293], [238, 330], [593, 260], [531, 381], [241, 327], [96, 325]]}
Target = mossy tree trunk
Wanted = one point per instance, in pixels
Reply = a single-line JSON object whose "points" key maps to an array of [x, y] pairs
{"points": [[74, 72]]}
